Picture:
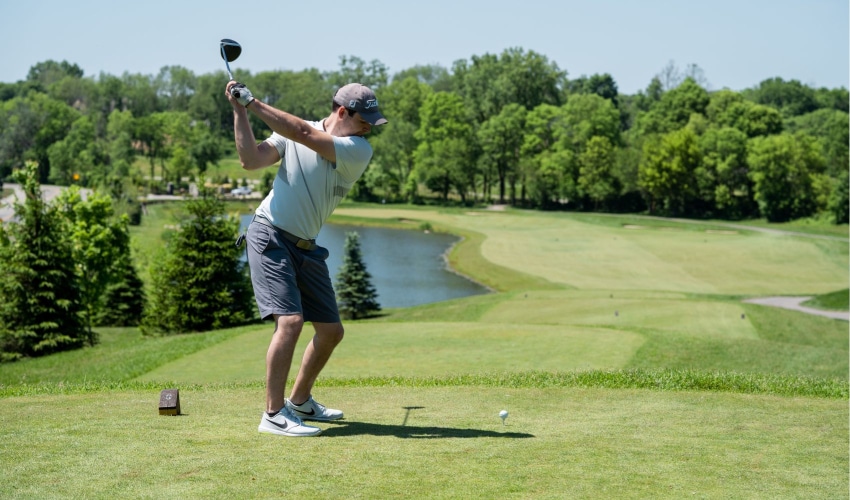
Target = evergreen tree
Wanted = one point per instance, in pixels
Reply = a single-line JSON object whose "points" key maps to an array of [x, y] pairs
{"points": [[199, 283], [356, 296], [40, 299], [123, 301]]}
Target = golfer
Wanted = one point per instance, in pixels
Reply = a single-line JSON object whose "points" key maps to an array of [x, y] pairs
{"points": [[319, 163]]}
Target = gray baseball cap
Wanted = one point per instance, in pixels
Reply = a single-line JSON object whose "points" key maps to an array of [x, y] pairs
{"points": [[360, 98]]}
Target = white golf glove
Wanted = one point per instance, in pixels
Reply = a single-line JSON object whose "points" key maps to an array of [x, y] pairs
{"points": [[242, 94]]}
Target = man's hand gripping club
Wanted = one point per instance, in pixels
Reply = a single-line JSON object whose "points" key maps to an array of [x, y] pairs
{"points": [[242, 94]]}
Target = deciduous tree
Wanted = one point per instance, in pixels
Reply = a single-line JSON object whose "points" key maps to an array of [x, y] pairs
{"points": [[674, 109], [444, 156], [791, 97], [586, 116], [722, 177], [666, 171], [729, 109], [395, 146], [781, 168], [596, 179], [76, 156], [489, 82], [501, 139], [100, 241]]}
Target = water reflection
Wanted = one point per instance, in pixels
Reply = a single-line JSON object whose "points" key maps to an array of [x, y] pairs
{"points": [[407, 266]]}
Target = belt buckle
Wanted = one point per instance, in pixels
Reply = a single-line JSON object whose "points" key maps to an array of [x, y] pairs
{"points": [[304, 244]]}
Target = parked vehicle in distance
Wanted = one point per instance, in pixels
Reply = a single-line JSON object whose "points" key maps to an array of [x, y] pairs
{"points": [[241, 191]]}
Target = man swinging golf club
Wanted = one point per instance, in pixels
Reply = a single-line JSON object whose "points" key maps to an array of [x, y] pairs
{"points": [[319, 163]]}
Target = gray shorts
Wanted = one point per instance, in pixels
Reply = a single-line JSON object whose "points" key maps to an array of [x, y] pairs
{"points": [[288, 280]]}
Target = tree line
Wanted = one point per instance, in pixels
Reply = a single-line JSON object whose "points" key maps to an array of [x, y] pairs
{"points": [[67, 267], [507, 128]]}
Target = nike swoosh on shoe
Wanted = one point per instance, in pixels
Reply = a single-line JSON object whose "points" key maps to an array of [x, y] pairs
{"points": [[282, 426]]}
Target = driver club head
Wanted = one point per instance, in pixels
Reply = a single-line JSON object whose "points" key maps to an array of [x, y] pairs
{"points": [[230, 50]]}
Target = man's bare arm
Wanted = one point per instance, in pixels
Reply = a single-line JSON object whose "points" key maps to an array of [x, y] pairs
{"points": [[252, 156], [296, 129]]}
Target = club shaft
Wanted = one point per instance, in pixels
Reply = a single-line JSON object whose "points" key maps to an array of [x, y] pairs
{"points": [[226, 63]]}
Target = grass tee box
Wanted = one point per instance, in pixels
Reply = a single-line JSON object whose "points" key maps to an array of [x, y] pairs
{"points": [[412, 442]]}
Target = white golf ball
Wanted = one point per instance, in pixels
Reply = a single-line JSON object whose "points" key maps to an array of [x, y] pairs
{"points": [[503, 414]]}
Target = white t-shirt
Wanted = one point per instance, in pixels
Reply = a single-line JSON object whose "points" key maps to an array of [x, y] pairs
{"points": [[307, 187]]}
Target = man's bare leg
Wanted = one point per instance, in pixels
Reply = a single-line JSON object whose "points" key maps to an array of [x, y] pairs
{"points": [[319, 350], [279, 358]]}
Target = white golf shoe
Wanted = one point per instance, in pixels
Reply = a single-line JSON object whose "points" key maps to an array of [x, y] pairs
{"points": [[284, 423], [313, 410]]}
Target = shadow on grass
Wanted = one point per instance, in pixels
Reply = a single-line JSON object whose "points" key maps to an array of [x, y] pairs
{"points": [[342, 428]]}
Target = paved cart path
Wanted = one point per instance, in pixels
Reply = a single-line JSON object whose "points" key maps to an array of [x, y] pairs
{"points": [[795, 303]]}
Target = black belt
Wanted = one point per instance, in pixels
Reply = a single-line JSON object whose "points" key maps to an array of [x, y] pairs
{"points": [[301, 243]]}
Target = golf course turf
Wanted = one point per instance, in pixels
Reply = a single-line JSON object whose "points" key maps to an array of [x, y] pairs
{"points": [[620, 345]]}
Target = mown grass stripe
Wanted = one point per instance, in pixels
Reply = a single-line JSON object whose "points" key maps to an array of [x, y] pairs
{"points": [[659, 380]]}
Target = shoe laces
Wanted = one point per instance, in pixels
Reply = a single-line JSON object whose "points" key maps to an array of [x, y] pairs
{"points": [[291, 416], [318, 405]]}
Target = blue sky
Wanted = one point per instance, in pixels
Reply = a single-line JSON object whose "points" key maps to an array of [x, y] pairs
{"points": [[737, 43]]}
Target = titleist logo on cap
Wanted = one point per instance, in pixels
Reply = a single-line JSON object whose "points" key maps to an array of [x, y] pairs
{"points": [[360, 98], [371, 103]]}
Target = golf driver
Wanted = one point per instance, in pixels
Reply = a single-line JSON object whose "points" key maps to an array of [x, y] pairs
{"points": [[230, 50]]}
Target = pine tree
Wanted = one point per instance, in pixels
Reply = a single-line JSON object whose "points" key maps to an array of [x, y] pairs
{"points": [[40, 298], [356, 297], [199, 282], [123, 301]]}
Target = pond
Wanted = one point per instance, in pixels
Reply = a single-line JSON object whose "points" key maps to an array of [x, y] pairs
{"points": [[408, 267]]}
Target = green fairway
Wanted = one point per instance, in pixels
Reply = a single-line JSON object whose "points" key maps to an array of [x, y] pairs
{"points": [[419, 349], [565, 330], [609, 253], [620, 345]]}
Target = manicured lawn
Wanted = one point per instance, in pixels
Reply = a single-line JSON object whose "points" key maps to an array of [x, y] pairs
{"points": [[437, 442], [620, 345]]}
